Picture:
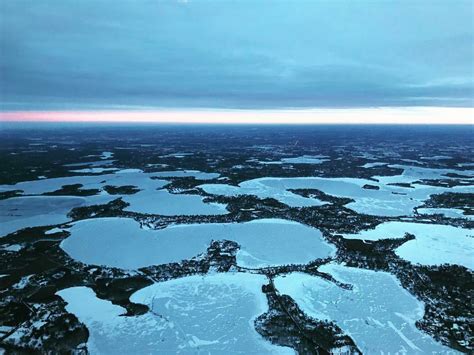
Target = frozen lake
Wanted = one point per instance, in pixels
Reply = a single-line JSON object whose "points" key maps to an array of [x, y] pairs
{"points": [[165, 203], [93, 170], [447, 212], [152, 199], [305, 159], [263, 188], [378, 313], [33, 211], [386, 200], [434, 244], [134, 177], [120, 242], [412, 174], [193, 315]]}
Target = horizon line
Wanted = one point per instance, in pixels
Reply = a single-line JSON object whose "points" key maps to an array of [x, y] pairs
{"points": [[379, 115]]}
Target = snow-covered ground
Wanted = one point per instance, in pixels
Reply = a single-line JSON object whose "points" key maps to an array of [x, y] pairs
{"points": [[434, 244], [192, 315], [378, 314], [120, 242]]}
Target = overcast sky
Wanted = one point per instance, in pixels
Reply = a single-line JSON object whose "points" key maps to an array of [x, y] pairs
{"points": [[259, 54]]}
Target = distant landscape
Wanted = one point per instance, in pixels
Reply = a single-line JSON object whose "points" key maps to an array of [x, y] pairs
{"points": [[271, 239]]}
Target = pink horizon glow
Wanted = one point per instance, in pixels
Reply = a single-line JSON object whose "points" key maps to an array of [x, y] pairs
{"points": [[412, 115]]}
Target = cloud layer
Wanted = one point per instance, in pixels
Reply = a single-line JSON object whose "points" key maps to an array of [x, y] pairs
{"points": [[263, 54]]}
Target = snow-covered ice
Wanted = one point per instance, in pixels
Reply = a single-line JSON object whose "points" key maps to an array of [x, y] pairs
{"points": [[177, 155], [447, 212], [139, 179], [134, 177], [437, 157], [434, 244], [196, 314], [185, 173], [93, 170], [305, 159], [378, 313], [32, 211], [53, 231], [149, 200], [386, 201], [106, 155], [97, 163], [465, 165], [414, 173], [263, 188], [165, 203], [373, 165], [120, 242], [12, 248]]}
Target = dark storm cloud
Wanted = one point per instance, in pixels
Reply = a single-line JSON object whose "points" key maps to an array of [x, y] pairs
{"points": [[239, 54]]}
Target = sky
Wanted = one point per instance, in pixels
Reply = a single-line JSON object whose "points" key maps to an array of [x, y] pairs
{"points": [[93, 56]]}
